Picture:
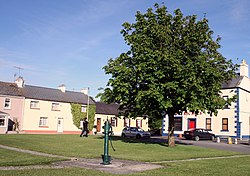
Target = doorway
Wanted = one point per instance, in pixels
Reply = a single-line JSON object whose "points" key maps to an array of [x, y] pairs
{"points": [[60, 125], [98, 126], [191, 123]]}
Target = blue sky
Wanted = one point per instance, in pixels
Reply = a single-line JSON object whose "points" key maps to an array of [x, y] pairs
{"points": [[68, 42]]}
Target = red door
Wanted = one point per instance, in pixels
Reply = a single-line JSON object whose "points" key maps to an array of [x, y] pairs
{"points": [[191, 123], [98, 126]]}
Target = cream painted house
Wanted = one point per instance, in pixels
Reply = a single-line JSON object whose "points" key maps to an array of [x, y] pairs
{"points": [[11, 107], [111, 112], [48, 110], [233, 120]]}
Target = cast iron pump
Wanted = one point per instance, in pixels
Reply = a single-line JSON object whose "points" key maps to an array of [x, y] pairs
{"points": [[107, 137]]}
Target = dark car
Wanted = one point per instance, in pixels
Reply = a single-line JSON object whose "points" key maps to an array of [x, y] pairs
{"points": [[135, 132], [198, 133]]}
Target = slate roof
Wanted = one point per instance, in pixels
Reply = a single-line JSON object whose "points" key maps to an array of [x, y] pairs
{"points": [[235, 82], [107, 109], [10, 89], [43, 93], [49, 94]]}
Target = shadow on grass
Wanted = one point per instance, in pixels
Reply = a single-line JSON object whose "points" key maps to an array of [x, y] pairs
{"points": [[155, 140]]}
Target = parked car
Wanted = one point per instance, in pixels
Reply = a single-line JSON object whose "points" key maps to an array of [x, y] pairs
{"points": [[198, 133], [135, 132]]}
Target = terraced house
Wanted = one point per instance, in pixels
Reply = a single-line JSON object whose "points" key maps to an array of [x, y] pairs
{"points": [[38, 109], [233, 120], [11, 107], [111, 112], [45, 110]]}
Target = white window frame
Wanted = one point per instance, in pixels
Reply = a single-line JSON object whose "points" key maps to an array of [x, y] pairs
{"points": [[43, 122], [7, 104], [227, 105], [84, 108], [139, 123], [126, 122], [34, 104], [55, 106], [2, 117], [114, 121]]}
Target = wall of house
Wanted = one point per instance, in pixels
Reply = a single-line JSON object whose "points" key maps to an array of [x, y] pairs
{"points": [[244, 114], [216, 121], [117, 129], [58, 121], [16, 108]]}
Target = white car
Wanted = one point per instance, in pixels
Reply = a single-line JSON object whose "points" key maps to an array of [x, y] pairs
{"points": [[135, 132]]}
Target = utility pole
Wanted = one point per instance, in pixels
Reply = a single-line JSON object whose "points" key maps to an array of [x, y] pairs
{"points": [[88, 105]]}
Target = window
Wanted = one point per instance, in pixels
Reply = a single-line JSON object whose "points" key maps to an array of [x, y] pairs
{"points": [[7, 103], [227, 105], [2, 120], [225, 124], [43, 121], [114, 121], [34, 105], [84, 108], [55, 107], [138, 123], [178, 123], [126, 122], [208, 123]]}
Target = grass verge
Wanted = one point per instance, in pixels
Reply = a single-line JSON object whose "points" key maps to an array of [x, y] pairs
{"points": [[13, 158], [226, 167], [92, 147]]}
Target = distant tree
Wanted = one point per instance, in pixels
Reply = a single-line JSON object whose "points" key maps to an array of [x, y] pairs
{"points": [[173, 65], [100, 95]]}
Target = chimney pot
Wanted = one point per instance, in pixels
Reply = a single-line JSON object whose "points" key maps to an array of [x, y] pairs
{"points": [[20, 82], [62, 88]]}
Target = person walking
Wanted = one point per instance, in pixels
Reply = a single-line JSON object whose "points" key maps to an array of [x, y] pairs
{"points": [[84, 128]]}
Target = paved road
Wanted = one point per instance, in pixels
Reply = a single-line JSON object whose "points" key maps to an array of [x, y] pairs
{"points": [[242, 146]]}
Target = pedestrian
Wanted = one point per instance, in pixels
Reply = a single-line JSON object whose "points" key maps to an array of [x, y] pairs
{"points": [[84, 128]]}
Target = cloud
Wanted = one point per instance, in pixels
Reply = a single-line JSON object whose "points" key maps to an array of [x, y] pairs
{"points": [[239, 11]]}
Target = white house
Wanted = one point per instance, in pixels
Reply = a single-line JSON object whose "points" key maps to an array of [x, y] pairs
{"points": [[233, 120]]}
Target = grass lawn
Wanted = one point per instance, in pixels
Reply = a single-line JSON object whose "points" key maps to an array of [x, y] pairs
{"points": [[13, 158], [92, 147], [226, 167]]}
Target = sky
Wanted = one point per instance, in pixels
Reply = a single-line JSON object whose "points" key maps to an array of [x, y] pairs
{"points": [[54, 42]]}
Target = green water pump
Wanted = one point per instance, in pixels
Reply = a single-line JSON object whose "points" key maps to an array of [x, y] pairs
{"points": [[107, 137]]}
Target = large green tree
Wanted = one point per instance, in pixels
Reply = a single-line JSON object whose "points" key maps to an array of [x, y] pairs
{"points": [[172, 65]]}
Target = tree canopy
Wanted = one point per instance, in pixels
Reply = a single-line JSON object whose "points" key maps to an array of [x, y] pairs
{"points": [[172, 65]]}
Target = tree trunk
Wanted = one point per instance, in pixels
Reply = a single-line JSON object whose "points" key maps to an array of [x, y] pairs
{"points": [[171, 140]]}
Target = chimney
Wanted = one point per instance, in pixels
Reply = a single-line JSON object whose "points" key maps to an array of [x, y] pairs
{"points": [[85, 91], [62, 88], [20, 82], [244, 68]]}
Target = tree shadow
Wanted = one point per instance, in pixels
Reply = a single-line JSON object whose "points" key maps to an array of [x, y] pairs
{"points": [[155, 140]]}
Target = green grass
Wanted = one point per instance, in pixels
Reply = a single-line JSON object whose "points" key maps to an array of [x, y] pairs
{"points": [[13, 158], [217, 167], [92, 147]]}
